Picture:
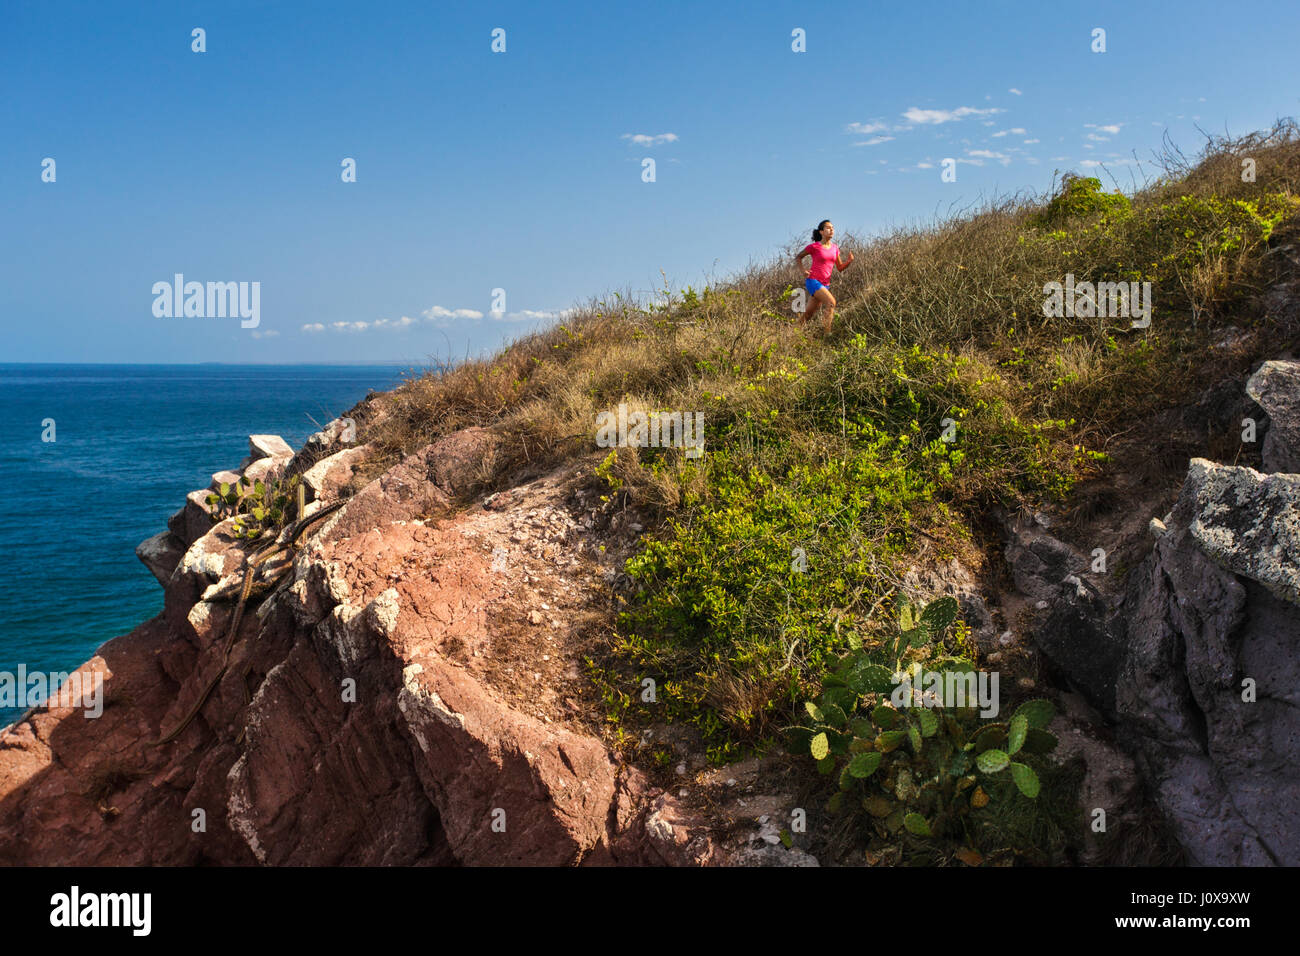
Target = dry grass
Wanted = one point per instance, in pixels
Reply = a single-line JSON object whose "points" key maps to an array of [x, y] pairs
{"points": [[970, 284]]}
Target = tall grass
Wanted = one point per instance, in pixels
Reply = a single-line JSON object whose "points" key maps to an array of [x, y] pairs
{"points": [[938, 327], [972, 284]]}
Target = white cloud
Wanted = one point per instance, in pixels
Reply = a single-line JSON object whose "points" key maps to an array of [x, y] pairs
{"points": [[436, 315], [925, 165], [1030, 141], [916, 115], [443, 317], [402, 323], [438, 312], [1015, 91], [1002, 158], [1098, 139], [645, 139], [1111, 128], [268, 334], [875, 141], [865, 129]]}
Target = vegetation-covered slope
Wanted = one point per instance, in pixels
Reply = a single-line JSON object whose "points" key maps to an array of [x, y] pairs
{"points": [[944, 389]]}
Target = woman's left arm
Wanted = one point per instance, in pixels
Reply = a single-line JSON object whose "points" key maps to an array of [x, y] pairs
{"points": [[843, 263]]}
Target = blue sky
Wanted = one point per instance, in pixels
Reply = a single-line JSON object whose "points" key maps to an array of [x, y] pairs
{"points": [[522, 170]]}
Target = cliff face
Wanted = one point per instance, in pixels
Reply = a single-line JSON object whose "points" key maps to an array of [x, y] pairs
{"points": [[408, 696], [410, 691], [1194, 657]]}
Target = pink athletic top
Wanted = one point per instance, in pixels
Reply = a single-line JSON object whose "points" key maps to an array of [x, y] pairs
{"points": [[823, 260]]}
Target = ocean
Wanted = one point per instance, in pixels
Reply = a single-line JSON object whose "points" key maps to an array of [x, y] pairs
{"points": [[130, 442]]}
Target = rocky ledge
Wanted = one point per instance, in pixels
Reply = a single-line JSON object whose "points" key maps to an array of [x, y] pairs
{"points": [[408, 696]]}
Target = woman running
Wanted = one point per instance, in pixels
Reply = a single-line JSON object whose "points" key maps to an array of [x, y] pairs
{"points": [[825, 256]]}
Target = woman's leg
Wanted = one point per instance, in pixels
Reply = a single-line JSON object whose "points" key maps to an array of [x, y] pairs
{"points": [[825, 298]]}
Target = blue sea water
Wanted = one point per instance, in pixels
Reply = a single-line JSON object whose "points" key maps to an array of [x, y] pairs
{"points": [[131, 442]]}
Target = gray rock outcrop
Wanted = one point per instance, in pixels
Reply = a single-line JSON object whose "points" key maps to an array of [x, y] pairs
{"points": [[1275, 387], [1208, 696]]}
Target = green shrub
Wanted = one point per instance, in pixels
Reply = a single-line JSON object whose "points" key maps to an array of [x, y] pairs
{"points": [[745, 594], [925, 766], [1078, 198], [258, 506], [1196, 251], [947, 419]]}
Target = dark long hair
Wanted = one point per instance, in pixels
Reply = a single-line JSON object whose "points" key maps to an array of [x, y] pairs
{"points": [[817, 233]]}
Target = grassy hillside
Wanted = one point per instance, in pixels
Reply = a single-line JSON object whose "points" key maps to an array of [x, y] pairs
{"points": [[775, 558]]}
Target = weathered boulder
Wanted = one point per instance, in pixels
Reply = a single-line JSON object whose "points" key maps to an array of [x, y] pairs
{"points": [[262, 468], [220, 478], [269, 446], [209, 566], [194, 520], [339, 432], [482, 763], [1207, 695], [329, 476], [160, 554], [1248, 523], [1275, 386], [403, 492]]}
